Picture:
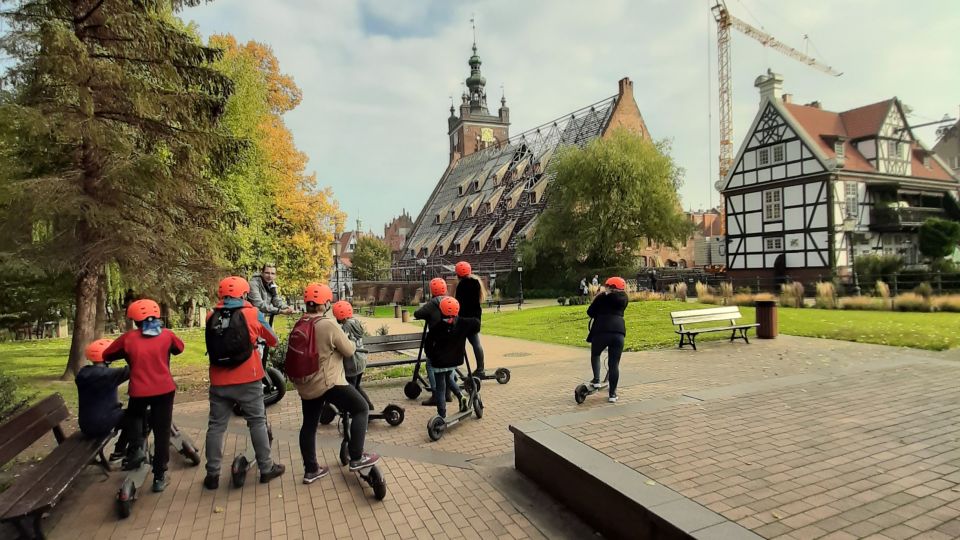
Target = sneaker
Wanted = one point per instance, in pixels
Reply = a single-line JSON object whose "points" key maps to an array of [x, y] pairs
{"points": [[311, 477], [160, 483], [596, 385], [276, 471], [368, 460], [429, 402], [612, 399], [464, 403], [480, 373], [212, 481]]}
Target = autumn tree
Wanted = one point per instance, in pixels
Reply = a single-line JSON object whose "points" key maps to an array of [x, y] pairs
{"points": [[111, 143], [606, 200], [371, 259]]}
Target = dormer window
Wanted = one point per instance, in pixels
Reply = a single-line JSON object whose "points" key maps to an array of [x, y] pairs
{"points": [[893, 149], [838, 149], [778, 153], [764, 156], [437, 219]]}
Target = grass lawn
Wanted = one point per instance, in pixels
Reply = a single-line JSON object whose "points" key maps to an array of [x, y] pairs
{"points": [[648, 325], [386, 312]]}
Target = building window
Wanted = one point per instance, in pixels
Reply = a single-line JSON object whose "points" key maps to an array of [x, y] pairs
{"points": [[893, 149], [778, 153], [851, 199], [956, 162], [764, 156], [772, 205], [773, 244], [838, 149], [438, 218]]}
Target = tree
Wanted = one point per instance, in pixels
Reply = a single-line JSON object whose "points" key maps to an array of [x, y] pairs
{"points": [[606, 200], [371, 259], [939, 237], [111, 145]]}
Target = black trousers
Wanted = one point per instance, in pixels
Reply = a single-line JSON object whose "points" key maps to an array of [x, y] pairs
{"points": [[614, 345], [345, 399], [159, 421], [355, 382]]}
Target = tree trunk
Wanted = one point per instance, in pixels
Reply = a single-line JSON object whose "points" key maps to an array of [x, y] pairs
{"points": [[84, 321], [189, 313], [100, 326]]}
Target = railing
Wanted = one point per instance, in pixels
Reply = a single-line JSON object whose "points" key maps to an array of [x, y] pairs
{"points": [[892, 218]]}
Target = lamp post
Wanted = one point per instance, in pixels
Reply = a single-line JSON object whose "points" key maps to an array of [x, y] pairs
{"points": [[520, 271], [849, 226], [335, 250], [422, 263]]}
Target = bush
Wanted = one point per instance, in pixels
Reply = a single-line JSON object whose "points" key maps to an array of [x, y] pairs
{"points": [[826, 295], [946, 303], [384, 330], [726, 289], [911, 302], [11, 400], [882, 289], [791, 294], [873, 267], [679, 290], [709, 299], [742, 299], [862, 303], [924, 289], [704, 290], [562, 300], [744, 290], [643, 296]]}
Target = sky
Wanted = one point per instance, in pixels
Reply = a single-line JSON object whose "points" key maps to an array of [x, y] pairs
{"points": [[378, 75]]}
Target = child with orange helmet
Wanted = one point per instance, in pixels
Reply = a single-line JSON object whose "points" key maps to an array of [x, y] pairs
{"points": [[314, 362], [236, 371], [100, 410], [429, 312], [147, 350], [354, 364], [607, 331], [445, 344]]}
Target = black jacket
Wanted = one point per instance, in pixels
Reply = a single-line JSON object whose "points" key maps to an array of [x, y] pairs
{"points": [[468, 294], [97, 396], [607, 313], [446, 342], [429, 312]]}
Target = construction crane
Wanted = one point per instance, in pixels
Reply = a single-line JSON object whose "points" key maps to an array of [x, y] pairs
{"points": [[724, 22]]}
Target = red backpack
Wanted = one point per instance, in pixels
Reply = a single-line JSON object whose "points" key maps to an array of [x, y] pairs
{"points": [[302, 357]]}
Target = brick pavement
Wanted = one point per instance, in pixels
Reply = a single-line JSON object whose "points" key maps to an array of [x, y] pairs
{"points": [[542, 386]]}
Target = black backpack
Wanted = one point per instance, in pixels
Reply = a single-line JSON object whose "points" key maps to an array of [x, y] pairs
{"points": [[228, 338]]}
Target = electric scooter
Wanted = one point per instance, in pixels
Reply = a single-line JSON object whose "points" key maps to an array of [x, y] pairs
{"points": [[585, 389], [438, 425], [129, 489], [392, 414], [372, 474], [241, 463]]}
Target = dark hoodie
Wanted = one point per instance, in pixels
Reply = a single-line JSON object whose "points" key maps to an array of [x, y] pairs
{"points": [[447, 339], [607, 312]]}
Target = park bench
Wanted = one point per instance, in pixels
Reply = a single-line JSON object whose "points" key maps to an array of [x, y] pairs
{"points": [[503, 302], [40, 488], [367, 311], [400, 342], [688, 336]]}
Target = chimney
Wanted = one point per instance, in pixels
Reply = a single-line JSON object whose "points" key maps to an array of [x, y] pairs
{"points": [[788, 98], [815, 105], [625, 86], [770, 85]]}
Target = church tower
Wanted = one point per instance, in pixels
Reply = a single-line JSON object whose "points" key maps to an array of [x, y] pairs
{"points": [[475, 128]]}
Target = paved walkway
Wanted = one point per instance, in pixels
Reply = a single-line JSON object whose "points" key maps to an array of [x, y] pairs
{"points": [[793, 437]]}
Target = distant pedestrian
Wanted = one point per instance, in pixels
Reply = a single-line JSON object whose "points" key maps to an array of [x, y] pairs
{"points": [[583, 291], [595, 281]]}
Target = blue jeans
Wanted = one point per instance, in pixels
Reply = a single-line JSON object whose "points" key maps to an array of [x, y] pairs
{"points": [[614, 345], [446, 380]]}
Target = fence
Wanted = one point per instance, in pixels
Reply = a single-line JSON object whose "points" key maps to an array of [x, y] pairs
{"points": [[940, 283]]}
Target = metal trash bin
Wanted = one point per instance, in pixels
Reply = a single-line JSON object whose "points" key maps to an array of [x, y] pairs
{"points": [[406, 316], [767, 319], [396, 311]]}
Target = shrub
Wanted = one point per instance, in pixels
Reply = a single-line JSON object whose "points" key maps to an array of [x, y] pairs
{"points": [[791, 294], [862, 303], [704, 290], [745, 290], [764, 297], [562, 300], [911, 302], [11, 401], [643, 296], [726, 289], [873, 267], [924, 289], [384, 330], [679, 290], [882, 289], [826, 295], [709, 299], [742, 299], [946, 303], [576, 301]]}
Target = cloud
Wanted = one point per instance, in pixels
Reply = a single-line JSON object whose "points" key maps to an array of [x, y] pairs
{"points": [[377, 76]]}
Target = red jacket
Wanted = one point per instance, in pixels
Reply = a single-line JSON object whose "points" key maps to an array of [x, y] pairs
{"points": [[149, 360], [252, 369]]}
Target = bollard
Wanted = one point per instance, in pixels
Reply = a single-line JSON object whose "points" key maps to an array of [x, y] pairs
{"points": [[406, 316], [396, 311]]}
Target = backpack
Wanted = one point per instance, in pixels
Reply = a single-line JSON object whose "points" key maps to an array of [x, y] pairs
{"points": [[302, 358], [228, 338]]}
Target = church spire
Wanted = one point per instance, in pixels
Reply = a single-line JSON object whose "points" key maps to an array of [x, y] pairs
{"points": [[476, 82]]}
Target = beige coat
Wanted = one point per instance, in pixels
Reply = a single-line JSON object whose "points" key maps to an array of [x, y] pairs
{"points": [[332, 345]]}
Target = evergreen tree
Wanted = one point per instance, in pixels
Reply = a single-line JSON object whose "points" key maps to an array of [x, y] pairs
{"points": [[111, 144]]}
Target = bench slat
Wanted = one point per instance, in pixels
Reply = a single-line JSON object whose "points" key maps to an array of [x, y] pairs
{"points": [[52, 476], [706, 311], [716, 329], [24, 429], [707, 318], [391, 338], [389, 347]]}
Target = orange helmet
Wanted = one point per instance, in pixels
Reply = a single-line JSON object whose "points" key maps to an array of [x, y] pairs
{"points": [[463, 269], [438, 287], [318, 293], [342, 310], [233, 286], [449, 306], [616, 283], [94, 351], [142, 310]]}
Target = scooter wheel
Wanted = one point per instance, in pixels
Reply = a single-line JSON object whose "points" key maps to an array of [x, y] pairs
{"points": [[393, 415], [327, 414], [471, 384], [190, 453], [377, 482], [125, 498], [502, 375], [478, 406], [411, 390], [581, 393], [238, 472], [435, 428], [278, 386], [344, 453]]}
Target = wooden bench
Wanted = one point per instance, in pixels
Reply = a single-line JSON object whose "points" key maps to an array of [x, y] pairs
{"points": [[504, 302], [688, 336], [367, 311], [40, 488], [400, 342]]}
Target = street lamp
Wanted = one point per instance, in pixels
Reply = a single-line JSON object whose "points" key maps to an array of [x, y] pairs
{"points": [[335, 251], [849, 225], [520, 270], [422, 263]]}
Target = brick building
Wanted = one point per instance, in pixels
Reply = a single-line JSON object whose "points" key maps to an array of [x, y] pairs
{"points": [[396, 232]]}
